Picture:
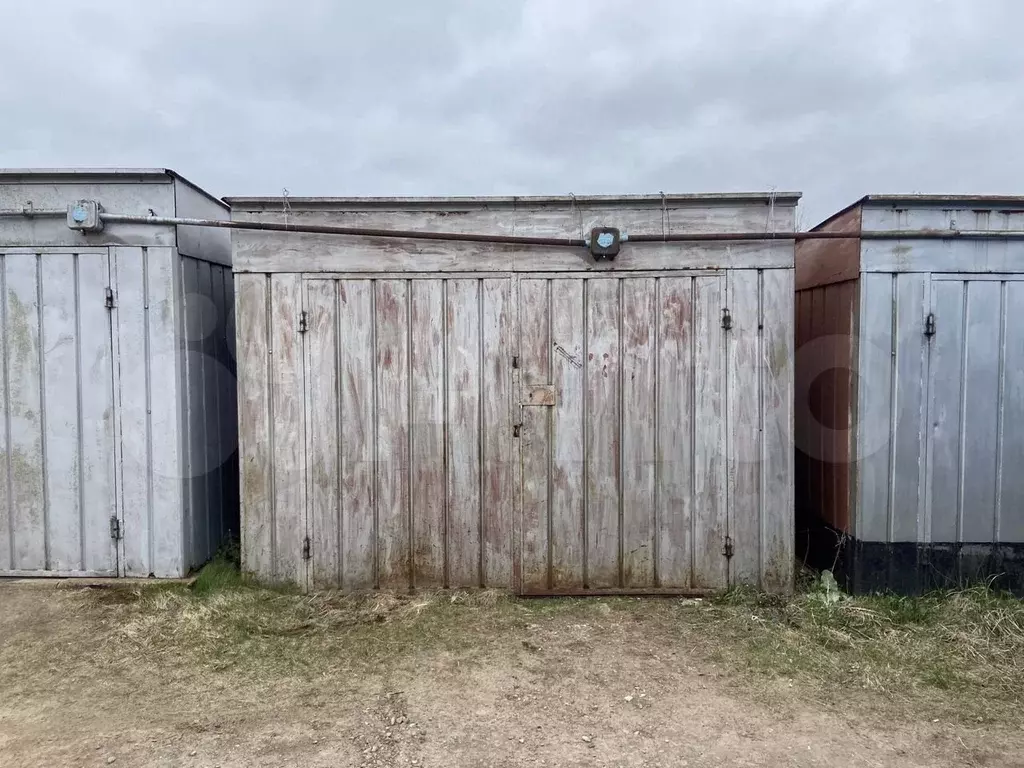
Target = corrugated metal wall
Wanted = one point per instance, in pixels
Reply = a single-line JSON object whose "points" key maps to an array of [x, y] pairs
{"points": [[387, 431], [209, 414], [941, 431], [57, 484], [93, 417], [825, 388]]}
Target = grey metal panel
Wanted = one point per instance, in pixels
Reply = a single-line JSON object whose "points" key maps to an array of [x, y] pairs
{"points": [[982, 256], [208, 243], [148, 407], [1010, 520], [875, 398], [966, 213], [938, 436], [907, 446], [162, 321], [57, 431], [982, 353], [140, 197], [945, 413]]}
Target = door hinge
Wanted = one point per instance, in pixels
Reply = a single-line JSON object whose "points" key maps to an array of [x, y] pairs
{"points": [[108, 299], [727, 549], [307, 549], [115, 528], [516, 428], [303, 321], [929, 324], [515, 361], [726, 319]]}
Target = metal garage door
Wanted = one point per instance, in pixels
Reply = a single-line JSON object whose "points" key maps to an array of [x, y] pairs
{"points": [[975, 410], [57, 492], [570, 440], [623, 440], [410, 432]]}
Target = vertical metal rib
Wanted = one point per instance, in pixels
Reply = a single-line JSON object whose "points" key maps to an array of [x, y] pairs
{"points": [[549, 440], [7, 408], [269, 309], [586, 431], [445, 437], [962, 416], [42, 411], [374, 380], [656, 491], [621, 428], [80, 423], [894, 367], [693, 432], [339, 417], [481, 431], [1000, 407], [409, 433], [148, 373], [726, 423], [761, 451]]}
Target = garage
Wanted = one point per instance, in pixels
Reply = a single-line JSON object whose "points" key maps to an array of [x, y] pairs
{"points": [[514, 410]]}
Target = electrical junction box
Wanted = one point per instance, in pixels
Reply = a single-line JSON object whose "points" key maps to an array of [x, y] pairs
{"points": [[604, 243], [84, 216]]}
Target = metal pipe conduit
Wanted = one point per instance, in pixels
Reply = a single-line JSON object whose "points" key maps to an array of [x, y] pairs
{"points": [[567, 242], [30, 213], [558, 242]]}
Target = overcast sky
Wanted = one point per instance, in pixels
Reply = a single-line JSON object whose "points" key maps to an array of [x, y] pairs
{"points": [[835, 99]]}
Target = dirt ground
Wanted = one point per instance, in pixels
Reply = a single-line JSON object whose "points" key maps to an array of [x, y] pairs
{"points": [[91, 677]]}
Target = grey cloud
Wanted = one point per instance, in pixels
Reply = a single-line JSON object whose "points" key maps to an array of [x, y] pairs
{"points": [[833, 98]]}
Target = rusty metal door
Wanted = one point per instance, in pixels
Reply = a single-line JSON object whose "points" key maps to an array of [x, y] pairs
{"points": [[621, 382]]}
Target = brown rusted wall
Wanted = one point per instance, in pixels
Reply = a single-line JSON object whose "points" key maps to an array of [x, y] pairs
{"points": [[821, 262], [826, 306]]}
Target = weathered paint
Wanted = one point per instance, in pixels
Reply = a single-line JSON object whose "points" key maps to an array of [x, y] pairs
{"points": [[111, 412], [925, 438], [561, 429]]}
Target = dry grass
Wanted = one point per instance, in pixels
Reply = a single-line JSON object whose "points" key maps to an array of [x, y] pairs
{"points": [[956, 655]]}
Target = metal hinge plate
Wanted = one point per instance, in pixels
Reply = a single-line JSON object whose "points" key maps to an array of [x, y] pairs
{"points": [[115, 528], [303, 321], [307, 548], [539, 394], [108, 299], [727, 550], [726, 319]]}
